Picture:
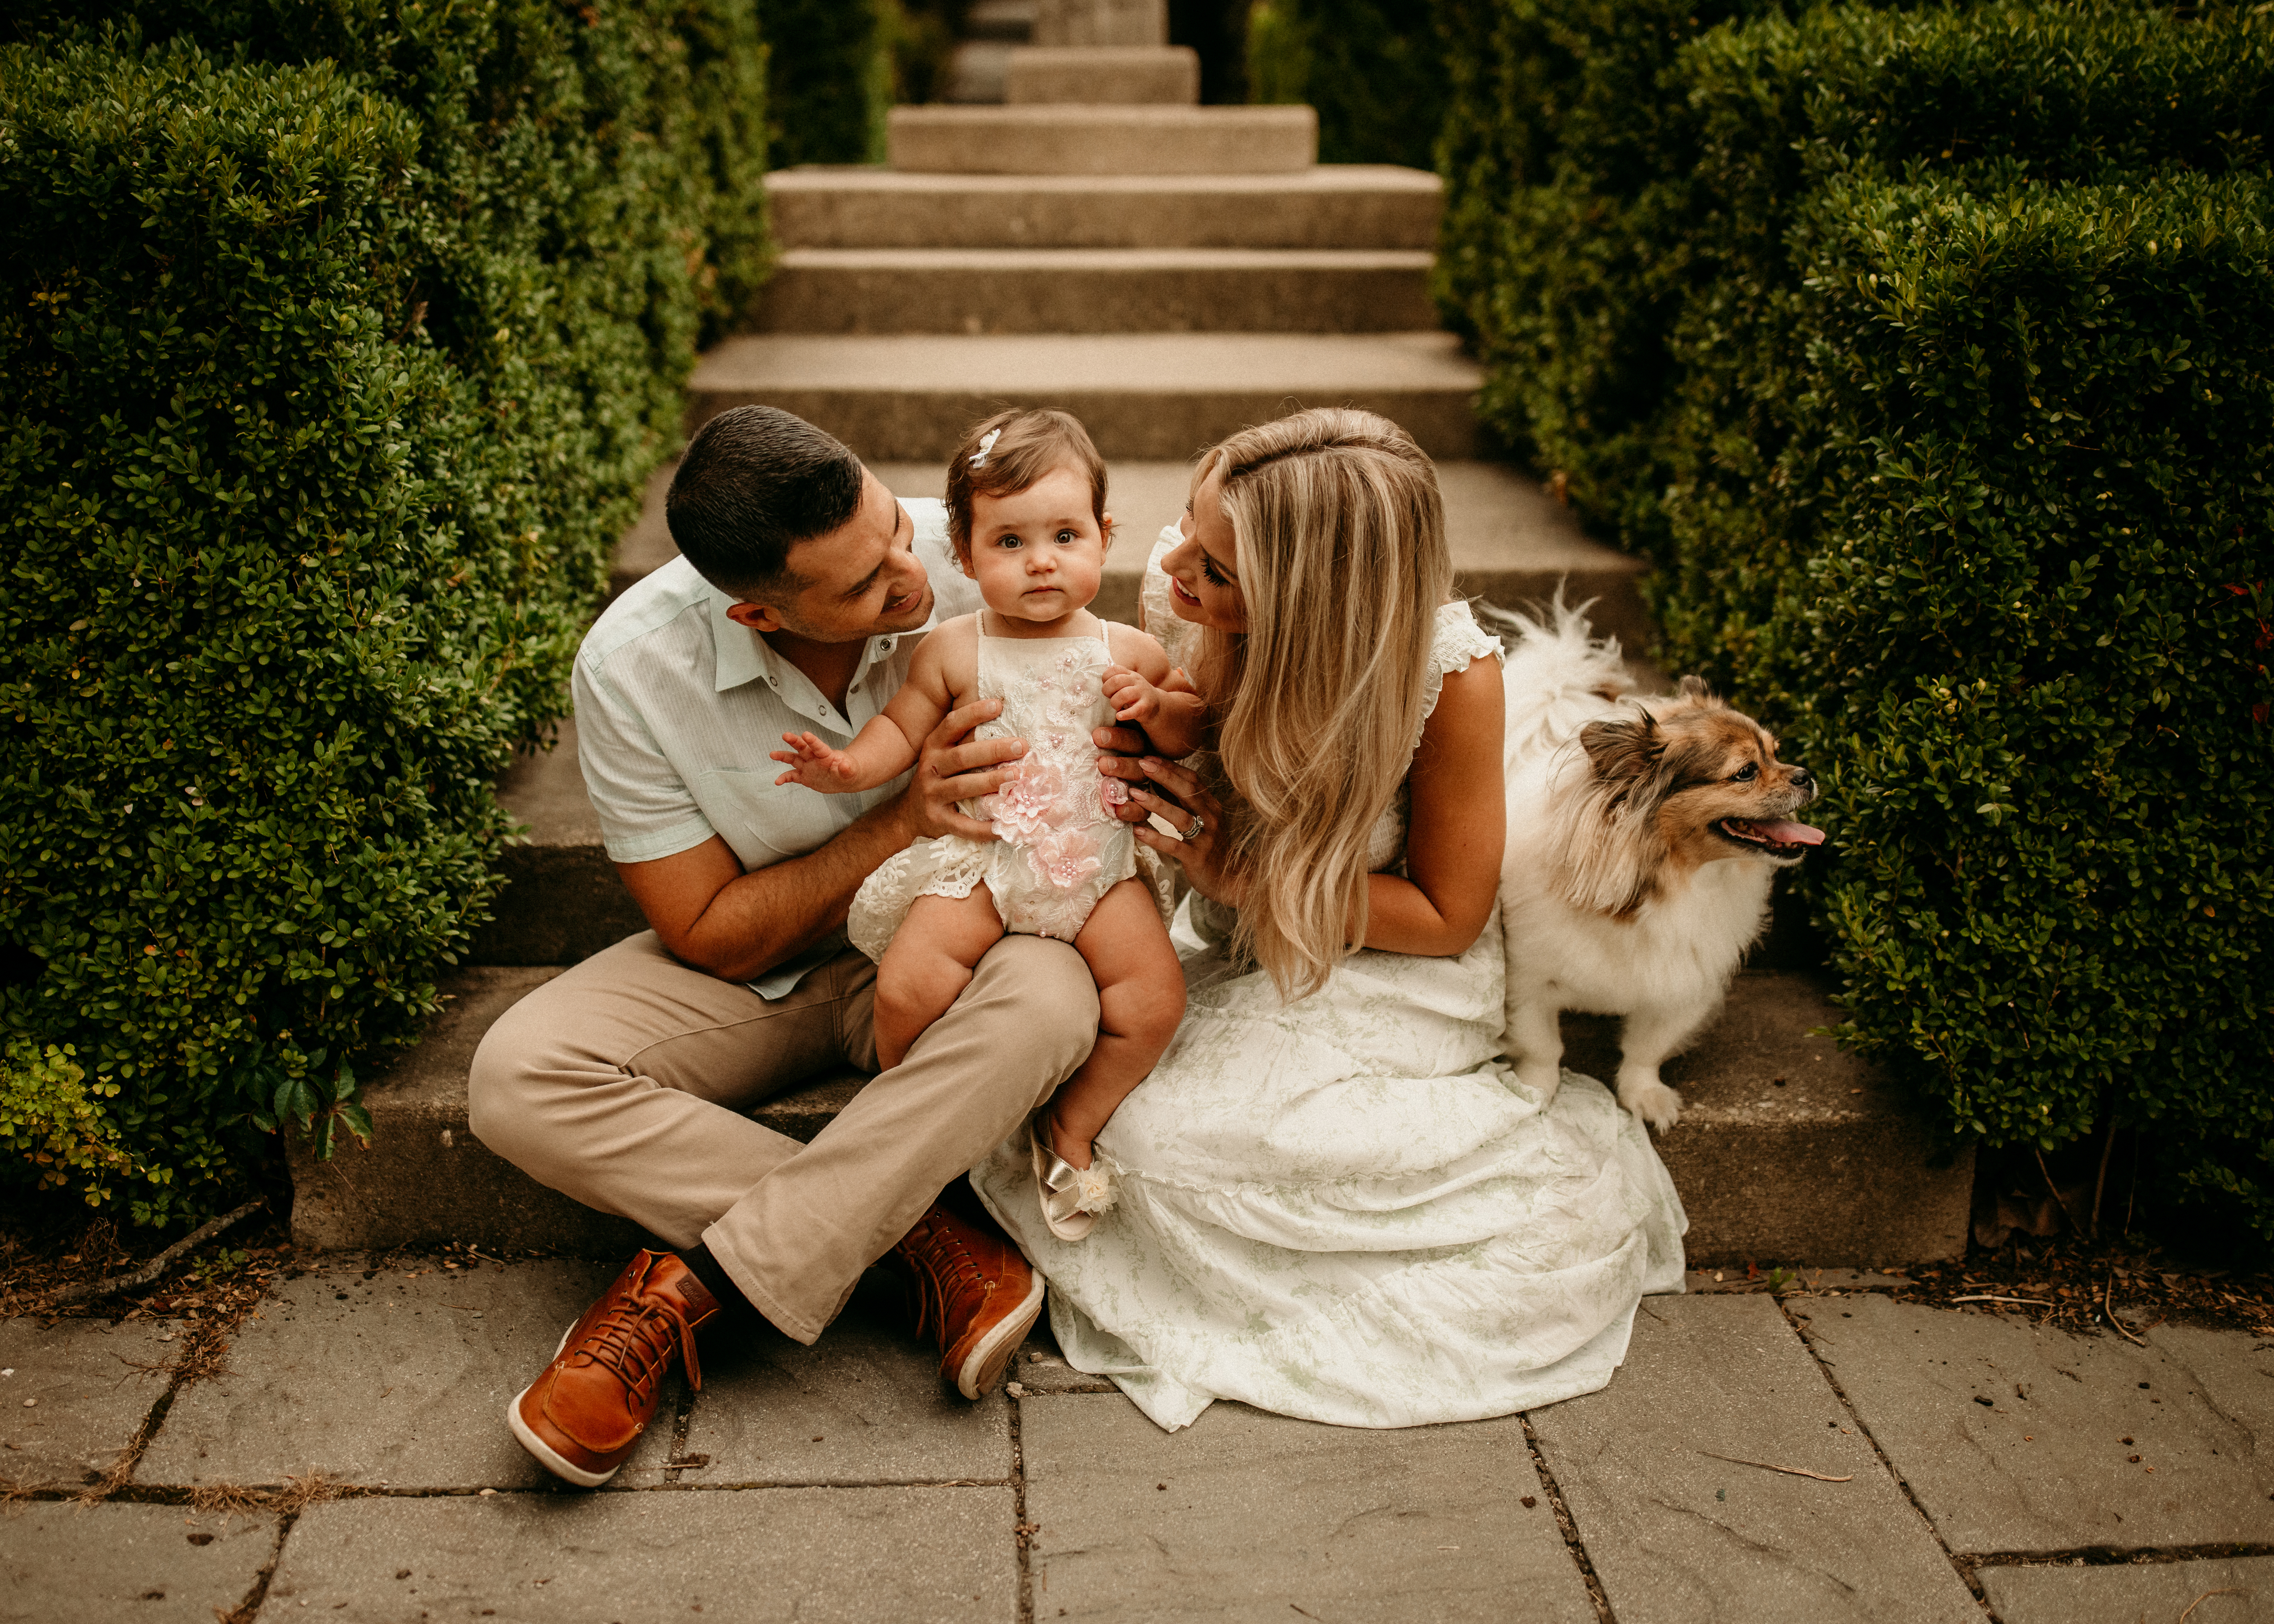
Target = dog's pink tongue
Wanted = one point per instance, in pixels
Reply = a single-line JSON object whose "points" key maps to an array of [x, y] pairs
{"points": [[1789, 834]]}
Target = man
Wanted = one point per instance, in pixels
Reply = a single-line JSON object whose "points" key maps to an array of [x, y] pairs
{"points": [[624, 1081]]}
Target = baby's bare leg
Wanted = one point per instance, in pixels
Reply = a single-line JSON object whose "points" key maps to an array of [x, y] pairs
{"points": [[929, 964], [1140, 998]]}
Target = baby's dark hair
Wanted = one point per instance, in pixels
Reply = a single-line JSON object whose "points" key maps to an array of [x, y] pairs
{"points": [[1028, 444]]}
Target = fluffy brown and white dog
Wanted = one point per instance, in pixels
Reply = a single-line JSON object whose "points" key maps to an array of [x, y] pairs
{"points": [[1643, 838]]}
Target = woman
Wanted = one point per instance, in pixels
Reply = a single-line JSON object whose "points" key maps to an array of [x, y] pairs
{"points": [[1336, 1202]]}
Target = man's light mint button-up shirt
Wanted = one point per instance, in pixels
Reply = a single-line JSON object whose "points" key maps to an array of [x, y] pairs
{"points": [[678, 710]]}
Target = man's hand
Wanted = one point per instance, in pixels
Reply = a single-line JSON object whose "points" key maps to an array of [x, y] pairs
{"points": [[815, 765], [954, 766]]}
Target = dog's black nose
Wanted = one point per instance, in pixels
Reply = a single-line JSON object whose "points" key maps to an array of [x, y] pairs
{"points": [[1802, 779]]}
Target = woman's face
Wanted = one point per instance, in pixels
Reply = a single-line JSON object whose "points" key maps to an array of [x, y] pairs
{"points": [[1203, 585]]}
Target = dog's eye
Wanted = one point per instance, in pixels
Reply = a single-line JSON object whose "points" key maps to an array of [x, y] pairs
{"points": [[1747, 773]]}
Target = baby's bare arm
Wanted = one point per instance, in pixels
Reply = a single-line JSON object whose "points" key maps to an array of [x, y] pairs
{"points": [[1148, 693], [892, 741], [941, 677], [878, 754]]}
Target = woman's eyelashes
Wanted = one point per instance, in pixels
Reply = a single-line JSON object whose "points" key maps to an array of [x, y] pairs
{"points": [[1208, 572]]}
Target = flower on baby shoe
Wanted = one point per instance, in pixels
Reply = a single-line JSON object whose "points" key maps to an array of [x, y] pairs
{"points": [[1065, 858], [1093, 1190]]}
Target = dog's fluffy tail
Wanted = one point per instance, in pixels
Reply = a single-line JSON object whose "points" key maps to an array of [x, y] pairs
{"points": [[1558, 675]]}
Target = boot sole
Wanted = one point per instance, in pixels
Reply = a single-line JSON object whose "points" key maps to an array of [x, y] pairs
{"points": [[984, 1367], [546, 1456]]}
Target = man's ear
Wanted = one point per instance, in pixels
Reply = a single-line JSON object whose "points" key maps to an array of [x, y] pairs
{"points": [[757, 617]]}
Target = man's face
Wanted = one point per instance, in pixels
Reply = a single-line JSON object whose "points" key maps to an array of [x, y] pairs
{"points": [[860, 580]]}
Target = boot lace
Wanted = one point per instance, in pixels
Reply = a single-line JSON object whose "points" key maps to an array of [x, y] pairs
{"points": [[634, 1340], [941, 1263]]}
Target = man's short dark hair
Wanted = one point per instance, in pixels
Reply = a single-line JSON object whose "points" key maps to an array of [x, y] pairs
{"points": [[754, 483]]}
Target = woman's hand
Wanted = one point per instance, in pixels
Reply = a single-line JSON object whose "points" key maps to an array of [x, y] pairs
{"points": [[1182, 801]]}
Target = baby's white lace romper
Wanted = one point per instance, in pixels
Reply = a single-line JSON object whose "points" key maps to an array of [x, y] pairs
{"points": [[1060, 849]]}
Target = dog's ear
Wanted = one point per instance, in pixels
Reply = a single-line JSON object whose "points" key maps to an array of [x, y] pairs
{"points": [[1694, 688], [1623, 752]]}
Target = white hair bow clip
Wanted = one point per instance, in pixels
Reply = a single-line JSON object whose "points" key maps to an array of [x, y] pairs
{"points": [[986, 445]]}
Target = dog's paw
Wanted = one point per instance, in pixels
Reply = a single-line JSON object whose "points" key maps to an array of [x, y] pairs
{"points": [[1654, 1102], [1543, 1077]]}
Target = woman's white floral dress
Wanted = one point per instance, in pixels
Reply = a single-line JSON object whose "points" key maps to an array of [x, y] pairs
{"points": [[1347, 1208]]}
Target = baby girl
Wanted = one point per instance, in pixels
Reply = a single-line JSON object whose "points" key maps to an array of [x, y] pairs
{"points": [[1026, 501]]}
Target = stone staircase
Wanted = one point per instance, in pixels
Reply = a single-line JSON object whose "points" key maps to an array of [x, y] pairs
{"points": [[1169, 272]]}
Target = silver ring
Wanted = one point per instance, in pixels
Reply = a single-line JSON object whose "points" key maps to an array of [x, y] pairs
{"points": [[1199, 823]]}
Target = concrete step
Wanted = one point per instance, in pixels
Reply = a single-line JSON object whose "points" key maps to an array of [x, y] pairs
{"points": [[1790, 1150], [426, 1179], [1101, 141], [976, 70], [1096, 75], [1089, 291], [647, 545], [1101, 22], [1328, 205], [1010, 20], [1143, 395], [563, 902]]}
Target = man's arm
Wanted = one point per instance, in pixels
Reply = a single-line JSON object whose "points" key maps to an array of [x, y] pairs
{"points": [[737, 926]]}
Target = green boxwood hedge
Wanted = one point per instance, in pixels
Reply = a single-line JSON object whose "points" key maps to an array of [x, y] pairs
{"points": [[1567, 152], [1989, 99], [1375, 71], [1928, 353], [337, 342], [2010, 571], [1650, 175], [831, 81]]}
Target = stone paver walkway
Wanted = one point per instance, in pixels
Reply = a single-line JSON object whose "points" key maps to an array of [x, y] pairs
{"points": [[1830, 1456]]}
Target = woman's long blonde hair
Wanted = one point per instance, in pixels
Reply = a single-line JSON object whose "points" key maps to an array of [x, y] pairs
{"points": [[1340, 540]]}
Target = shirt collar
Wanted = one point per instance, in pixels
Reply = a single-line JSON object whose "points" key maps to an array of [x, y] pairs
{"points": [[740, 654]]}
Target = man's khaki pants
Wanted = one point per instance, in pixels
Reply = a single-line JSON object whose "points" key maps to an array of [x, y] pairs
{"points": [[622, 1082]]}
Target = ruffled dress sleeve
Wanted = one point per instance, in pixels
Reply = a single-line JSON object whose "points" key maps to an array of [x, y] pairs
{"points": [[1179, 638], [1459, 643]]}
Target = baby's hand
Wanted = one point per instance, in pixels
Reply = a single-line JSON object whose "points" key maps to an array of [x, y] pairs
{"points": [[1134, 700], [815, 765]]}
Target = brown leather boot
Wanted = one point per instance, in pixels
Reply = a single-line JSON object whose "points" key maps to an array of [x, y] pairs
{"points": [[973, 1290], [593, 1402]]}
